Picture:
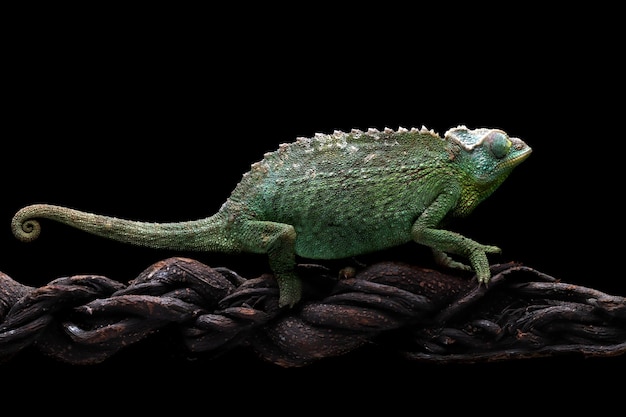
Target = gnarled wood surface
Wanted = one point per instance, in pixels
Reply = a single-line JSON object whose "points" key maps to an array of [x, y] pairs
{"points": [[425, 315]]}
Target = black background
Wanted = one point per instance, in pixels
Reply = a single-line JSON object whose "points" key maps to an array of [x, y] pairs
{"points": [[156, 117]]}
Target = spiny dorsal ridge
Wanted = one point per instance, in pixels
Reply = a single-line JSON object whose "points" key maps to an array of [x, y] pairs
{"points": [[337, 138], [375, 133]]}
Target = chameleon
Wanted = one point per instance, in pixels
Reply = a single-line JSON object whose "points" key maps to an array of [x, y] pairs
{"points": [[333, 196]]}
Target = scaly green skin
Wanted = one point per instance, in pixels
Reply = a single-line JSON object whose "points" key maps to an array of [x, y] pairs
{"points": [[334, 196]]}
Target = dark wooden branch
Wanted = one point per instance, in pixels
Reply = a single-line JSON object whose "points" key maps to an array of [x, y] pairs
{"points": [[422, 314]]}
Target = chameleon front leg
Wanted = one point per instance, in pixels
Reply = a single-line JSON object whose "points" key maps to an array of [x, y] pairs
{"points": [[442, 242], [278, 241]]}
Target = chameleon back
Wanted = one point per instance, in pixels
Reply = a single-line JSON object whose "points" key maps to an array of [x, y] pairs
{"points": [[345, 193]]}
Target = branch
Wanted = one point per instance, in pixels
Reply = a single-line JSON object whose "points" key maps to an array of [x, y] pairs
{"points": [[423, 314]]}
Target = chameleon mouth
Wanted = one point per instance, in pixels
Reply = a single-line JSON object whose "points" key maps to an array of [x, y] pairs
{"points": [[515, 160]]}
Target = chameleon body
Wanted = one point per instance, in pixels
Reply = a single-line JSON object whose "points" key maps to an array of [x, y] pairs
{"points": [[333, 196]]}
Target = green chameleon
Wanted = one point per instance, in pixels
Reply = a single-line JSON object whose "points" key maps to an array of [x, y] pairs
{"points": [[333, 196]]}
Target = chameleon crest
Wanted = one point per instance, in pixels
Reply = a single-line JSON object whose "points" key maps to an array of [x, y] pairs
{"points": [[333, 196]]}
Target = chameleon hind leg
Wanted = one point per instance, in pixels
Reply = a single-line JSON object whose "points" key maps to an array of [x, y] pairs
{"points": [[278, 241]]}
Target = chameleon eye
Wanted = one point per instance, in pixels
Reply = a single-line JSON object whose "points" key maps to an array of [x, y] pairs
{"points": [[499, 144]]}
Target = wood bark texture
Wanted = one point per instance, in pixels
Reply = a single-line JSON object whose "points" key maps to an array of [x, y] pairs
{"points": [[421, 314]]}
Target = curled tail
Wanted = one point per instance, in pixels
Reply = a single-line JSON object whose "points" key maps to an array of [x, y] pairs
{"points": [[203, 235]]}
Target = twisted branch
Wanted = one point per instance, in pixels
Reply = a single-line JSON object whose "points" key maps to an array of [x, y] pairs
{"points": [[423, 314]]}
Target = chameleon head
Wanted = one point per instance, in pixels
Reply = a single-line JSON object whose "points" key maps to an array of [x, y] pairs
{"points": [[486, 155]]}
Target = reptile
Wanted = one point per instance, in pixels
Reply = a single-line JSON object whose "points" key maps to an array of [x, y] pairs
{"points": [[334, 196]]}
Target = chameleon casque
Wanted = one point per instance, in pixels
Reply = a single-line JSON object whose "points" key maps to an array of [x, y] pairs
{"points": [[333, 196]]}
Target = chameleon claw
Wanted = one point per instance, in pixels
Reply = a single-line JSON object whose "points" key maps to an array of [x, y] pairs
{"points": [[484, 281], [444, 259], [492, 249]]}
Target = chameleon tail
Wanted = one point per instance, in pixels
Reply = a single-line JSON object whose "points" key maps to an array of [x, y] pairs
{"points": [[202, 235]]}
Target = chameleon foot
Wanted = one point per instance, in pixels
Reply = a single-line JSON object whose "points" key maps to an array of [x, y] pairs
{"points": [[444, 259], [479, 261], [290, 290]]}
